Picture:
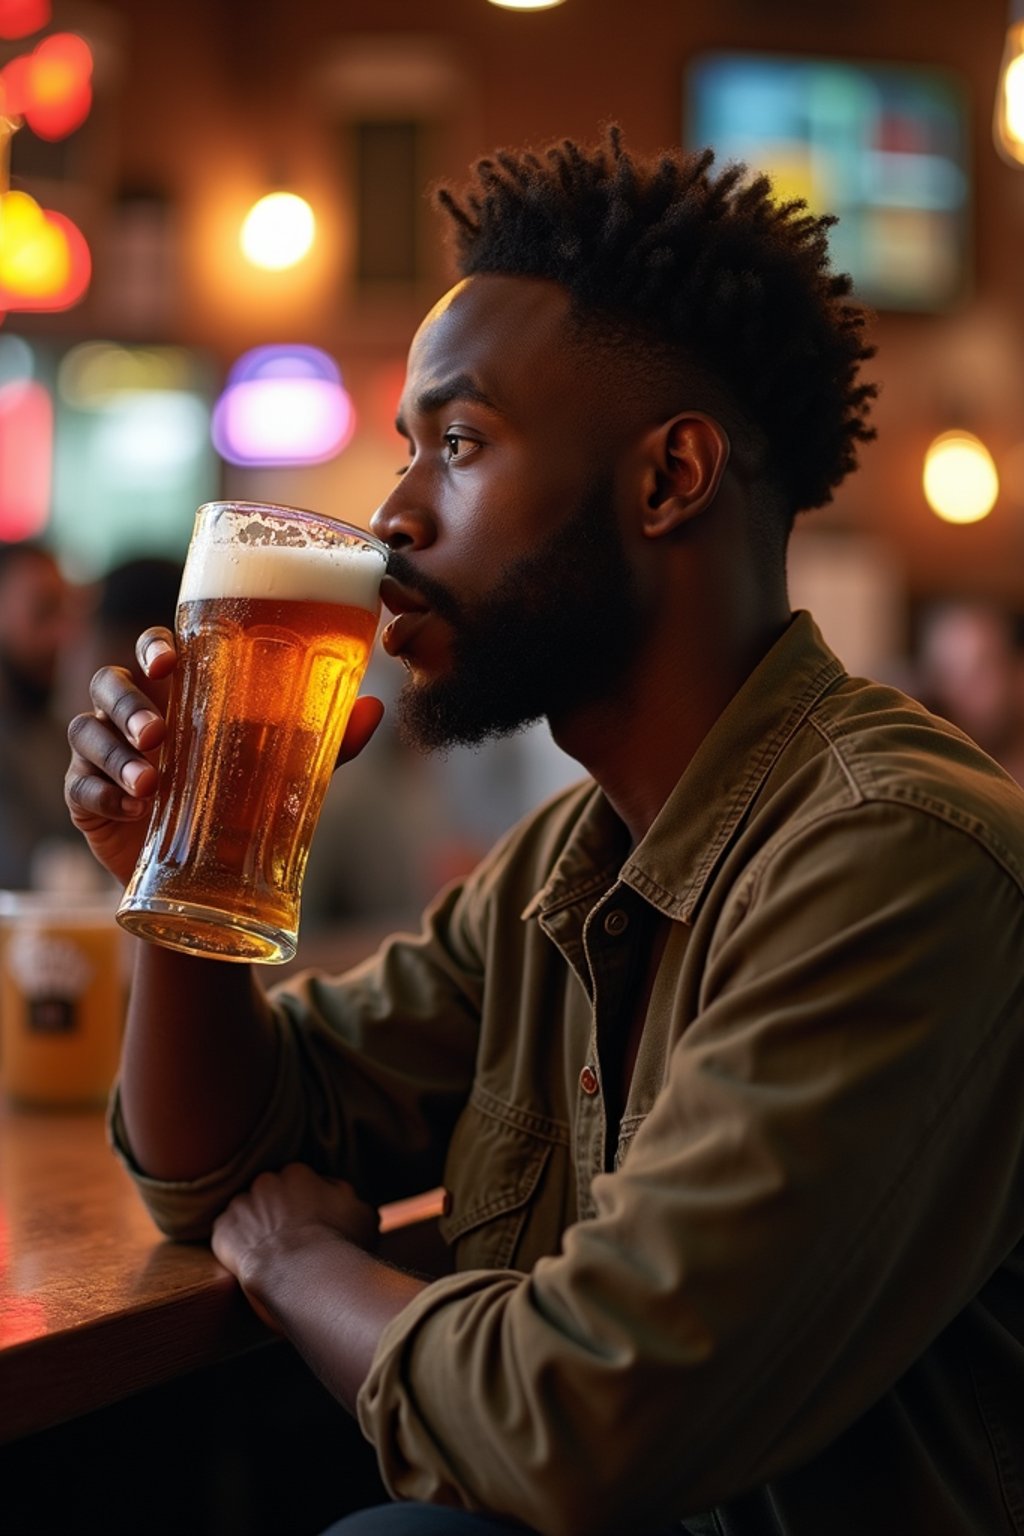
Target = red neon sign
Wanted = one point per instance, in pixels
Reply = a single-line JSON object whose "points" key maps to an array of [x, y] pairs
{"points": [[51, 87], [26, 458]]}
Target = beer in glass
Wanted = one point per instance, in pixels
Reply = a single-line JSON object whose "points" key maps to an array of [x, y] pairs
{"points": [[276, 618], [62, 998]]}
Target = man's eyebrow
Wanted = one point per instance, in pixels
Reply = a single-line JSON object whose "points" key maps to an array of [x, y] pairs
{"points": [[460, 387]]}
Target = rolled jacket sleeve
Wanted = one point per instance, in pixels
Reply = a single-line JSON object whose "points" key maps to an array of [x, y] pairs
{"points": [[372, 1071], [831, 1171]]}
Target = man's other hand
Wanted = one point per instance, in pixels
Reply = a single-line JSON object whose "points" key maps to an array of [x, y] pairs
{"points": [[284, 1216]]}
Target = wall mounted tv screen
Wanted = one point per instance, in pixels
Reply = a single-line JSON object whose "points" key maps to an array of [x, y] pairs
{"points": [[885, 147]]}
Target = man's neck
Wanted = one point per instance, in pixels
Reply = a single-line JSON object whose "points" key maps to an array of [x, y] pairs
{"points": [[637, 743]]}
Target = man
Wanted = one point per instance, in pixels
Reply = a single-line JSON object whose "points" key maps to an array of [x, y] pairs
{"points": [[35, 626], [720, 1054], [133, 593], [971, 671]]}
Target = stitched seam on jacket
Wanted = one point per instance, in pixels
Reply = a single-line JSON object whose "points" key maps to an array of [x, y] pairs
{"points": [[510, 1200], [936, 810], [556, 1131], [844, 766], [869, 791]]}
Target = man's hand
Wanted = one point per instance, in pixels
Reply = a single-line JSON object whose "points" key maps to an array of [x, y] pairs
{"points": [[296, 1243], [282, 1214], [122, 740], [112, 777]]}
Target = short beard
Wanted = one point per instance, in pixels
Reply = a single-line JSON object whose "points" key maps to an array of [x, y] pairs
{"points": [[560, 629]]}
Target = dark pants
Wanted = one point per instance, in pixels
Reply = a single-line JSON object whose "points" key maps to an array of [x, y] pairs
{"points": [[408, 1519]]}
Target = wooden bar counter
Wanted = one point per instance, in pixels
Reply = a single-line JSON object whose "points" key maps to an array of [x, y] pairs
{"points": [[133, 1398], [94, 1303]]}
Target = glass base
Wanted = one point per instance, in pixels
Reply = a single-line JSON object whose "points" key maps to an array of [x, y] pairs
{"points": [[206, 931]]}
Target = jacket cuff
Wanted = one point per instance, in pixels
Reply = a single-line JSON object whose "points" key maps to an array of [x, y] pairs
{"points": [[185, 1209]]}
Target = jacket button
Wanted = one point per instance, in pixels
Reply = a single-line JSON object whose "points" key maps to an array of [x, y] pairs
{"points": [[616, 922], [588, 1080]]}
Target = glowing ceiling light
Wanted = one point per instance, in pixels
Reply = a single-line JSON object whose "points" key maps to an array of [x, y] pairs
{"points": [[1008, 126], [960, 480], [278, 231], [526, 5], [283, 405]]}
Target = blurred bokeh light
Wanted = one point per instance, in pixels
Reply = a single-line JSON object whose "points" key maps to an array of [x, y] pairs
{"points": [[278, 231], [44, 260], [51, 87], [1009, 117], [960, 480], [283, 405], [20, 18]]}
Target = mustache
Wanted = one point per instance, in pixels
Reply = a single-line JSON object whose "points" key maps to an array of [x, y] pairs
{"points": [[437, 595]]}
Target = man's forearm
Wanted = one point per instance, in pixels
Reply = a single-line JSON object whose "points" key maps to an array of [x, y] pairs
{"points": [[198, 1062], [332, 1300]]}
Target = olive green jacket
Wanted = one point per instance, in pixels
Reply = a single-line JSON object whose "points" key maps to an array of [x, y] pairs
{"points": [[786, 1282]]}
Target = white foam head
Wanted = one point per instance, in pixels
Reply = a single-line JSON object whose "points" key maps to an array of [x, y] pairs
{"points": [[348, 573]]}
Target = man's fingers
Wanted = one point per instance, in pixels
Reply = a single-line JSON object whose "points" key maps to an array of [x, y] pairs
{"points": [[96, 745], [115, 695], [367, 713], [155, 651], [94, 802]]}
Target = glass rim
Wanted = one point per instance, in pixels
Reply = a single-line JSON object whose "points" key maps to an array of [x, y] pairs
{"points": [[289, 513]]}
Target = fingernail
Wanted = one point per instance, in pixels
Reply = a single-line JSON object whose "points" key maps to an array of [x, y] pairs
{"points": [[137, 723], [132, 807], [132, 773], [154, 649]]}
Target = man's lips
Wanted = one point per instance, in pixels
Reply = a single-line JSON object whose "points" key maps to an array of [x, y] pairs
{"points": [[410, 610], [397, 636]]}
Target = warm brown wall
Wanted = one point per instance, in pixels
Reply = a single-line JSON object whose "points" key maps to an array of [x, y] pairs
{"points": [[212, 91]]}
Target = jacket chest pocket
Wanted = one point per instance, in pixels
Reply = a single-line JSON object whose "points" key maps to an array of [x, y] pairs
{"points": [[495, 1182]]}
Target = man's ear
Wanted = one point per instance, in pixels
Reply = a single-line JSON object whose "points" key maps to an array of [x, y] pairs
{"points": [[687, 458]]}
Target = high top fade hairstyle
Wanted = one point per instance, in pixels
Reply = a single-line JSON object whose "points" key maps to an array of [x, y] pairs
{"points": [[702, 282]]}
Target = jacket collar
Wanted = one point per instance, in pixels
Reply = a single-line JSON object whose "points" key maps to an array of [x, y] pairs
{"points": [[673, 863]]}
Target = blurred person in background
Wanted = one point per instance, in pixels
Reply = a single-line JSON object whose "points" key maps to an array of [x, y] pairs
{"points": [[128, 592], [971, 671], [37, 622], [719, 1054]]}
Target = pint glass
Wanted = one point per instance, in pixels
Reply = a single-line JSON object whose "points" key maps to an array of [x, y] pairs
{"points": [[276, 618], [62, 998]]}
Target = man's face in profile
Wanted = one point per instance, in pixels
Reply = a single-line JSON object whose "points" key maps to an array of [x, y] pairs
{"points": [[504, 527]]}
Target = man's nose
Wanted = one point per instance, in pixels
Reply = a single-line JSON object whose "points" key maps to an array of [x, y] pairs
{"points": [[402, 522]]}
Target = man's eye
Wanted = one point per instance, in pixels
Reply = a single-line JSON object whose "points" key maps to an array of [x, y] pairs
{"points": [[457, 446]]}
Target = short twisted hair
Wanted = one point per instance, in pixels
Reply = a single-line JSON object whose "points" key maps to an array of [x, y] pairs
{"points": [[705, 272]]}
